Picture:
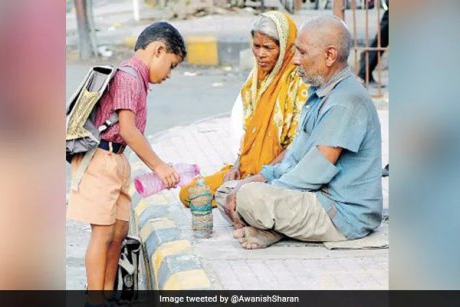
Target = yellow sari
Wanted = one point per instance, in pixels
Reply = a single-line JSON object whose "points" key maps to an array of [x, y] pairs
{"points": [[271, 106]]}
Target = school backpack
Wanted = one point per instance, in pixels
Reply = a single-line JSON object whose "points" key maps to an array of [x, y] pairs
{"points": [[82, 135]]}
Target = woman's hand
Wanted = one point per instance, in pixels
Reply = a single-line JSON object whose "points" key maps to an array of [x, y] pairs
{"points": [[233, 174], [167, 174]]}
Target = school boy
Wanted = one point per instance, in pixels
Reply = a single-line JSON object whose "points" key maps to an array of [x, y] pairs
{"points": [[102, 198]]}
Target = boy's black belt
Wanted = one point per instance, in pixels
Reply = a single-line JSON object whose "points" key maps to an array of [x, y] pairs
{"points": [[112, 146]]}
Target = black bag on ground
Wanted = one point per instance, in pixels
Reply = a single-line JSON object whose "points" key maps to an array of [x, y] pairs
{"points": [[127, 280]]}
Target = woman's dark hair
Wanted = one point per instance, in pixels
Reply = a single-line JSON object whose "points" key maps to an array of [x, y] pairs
{"points": [[163, 32]]}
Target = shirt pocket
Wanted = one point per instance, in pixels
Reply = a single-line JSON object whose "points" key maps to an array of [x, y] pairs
{"points": [[303, 141], [309, 122]]}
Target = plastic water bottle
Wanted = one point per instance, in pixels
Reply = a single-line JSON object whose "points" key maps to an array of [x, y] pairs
{"points": [[201, 209], [149, 183]]}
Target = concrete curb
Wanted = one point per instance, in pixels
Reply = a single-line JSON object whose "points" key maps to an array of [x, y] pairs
{"points": [[207, 50], [169, 262]]}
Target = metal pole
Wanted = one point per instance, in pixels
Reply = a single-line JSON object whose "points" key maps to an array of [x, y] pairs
{"points": [[136, 10], [355, 35], [91, 25], [84, 39], [366, 79], [379, 44]]}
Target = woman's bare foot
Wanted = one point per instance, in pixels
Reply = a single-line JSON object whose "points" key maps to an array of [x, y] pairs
{"points": [[253, 238]]}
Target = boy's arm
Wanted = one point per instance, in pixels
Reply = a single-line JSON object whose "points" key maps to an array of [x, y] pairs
{"points": [[139, 144]]}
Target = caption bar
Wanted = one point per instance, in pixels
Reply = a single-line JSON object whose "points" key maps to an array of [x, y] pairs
{"points": [[233, 299]]}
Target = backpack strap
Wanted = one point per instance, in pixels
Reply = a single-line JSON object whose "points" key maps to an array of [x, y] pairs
{"points": [[82, 169], [113, 119], [133, 72]]}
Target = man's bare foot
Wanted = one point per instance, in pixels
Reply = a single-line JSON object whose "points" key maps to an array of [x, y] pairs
{"points": [[237, 222], [239, 235], [253, 238]]}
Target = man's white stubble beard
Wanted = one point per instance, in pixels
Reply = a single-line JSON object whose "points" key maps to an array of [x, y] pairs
{"points": [[316, 81]]}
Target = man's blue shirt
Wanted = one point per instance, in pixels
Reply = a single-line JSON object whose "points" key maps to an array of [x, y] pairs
{"points": [[339, 114]]}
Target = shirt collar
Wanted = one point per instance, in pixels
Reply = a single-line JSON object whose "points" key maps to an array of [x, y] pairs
{"points": [[336, 78]]}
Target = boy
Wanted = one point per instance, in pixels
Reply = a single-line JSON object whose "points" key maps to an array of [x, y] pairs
{"points": [[103, 199]]}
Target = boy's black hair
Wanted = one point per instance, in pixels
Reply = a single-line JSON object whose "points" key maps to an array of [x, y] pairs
{"points": [[164, 32]]}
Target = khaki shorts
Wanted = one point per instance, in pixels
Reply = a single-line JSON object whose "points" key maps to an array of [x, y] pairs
{"points": [[103, 194]]}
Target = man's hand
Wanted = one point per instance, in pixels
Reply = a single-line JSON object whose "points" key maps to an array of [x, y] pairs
{"points": [[230, 206], [230, 210], [231, 203], [167, 174], [233, 174]]}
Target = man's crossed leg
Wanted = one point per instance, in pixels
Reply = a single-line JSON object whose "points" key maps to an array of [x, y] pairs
{"points": [[264, 214]]}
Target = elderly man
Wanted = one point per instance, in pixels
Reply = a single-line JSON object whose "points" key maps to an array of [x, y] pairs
{"points": [[328, 185]]}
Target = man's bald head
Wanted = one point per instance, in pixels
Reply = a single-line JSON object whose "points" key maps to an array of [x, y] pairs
{"points": [[329, 30]]}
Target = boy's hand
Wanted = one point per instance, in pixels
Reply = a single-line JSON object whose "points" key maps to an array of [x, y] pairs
{"points": [[167, 174], [141, 146]]}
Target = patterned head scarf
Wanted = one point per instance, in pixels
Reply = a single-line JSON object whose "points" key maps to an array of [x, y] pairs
{"points": [[271, 109]]}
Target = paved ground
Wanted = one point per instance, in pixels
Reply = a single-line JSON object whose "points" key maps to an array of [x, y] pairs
{"points": [[288, 264]]}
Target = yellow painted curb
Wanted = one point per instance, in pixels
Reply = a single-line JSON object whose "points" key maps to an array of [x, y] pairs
{"points": [[131, 190], [141, 206], [158, 199], [154, 224], [187, 280], [130, 41], [72, 55], [167, 249], [202, 50], [138, 165]]}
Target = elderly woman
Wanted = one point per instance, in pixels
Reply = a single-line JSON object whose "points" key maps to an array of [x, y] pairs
{"points": [[271, 100]]}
